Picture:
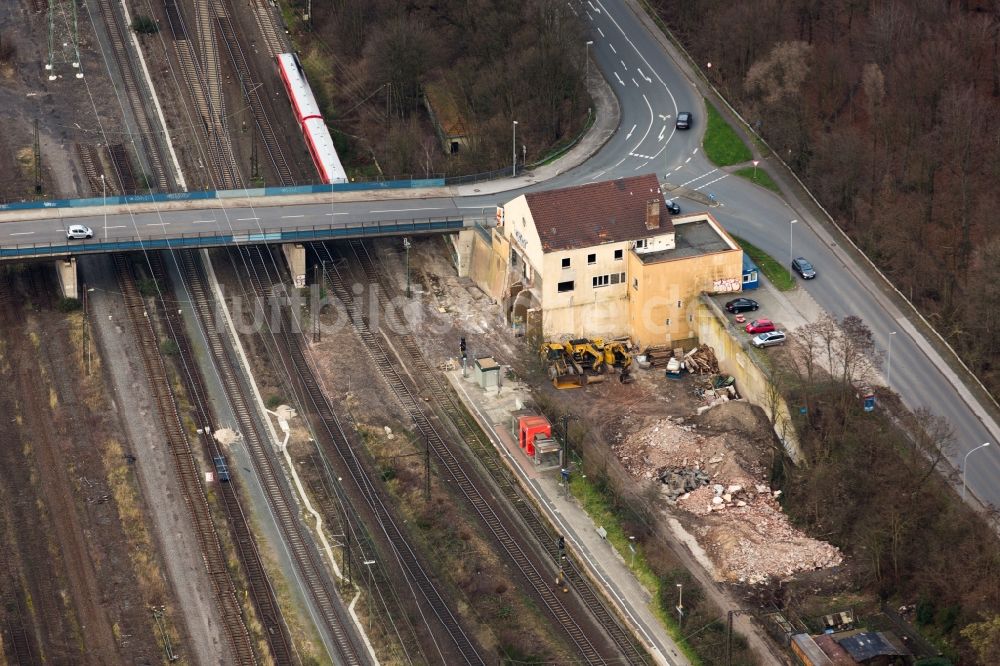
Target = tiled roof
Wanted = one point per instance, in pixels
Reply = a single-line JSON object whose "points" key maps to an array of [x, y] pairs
{"points": [[587, 215]]}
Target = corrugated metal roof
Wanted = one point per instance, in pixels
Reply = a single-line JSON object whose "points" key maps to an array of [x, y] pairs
{"points": [[587, 215], [867, 645]]}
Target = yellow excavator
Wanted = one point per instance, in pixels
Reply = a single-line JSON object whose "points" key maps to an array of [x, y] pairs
{"points": [[617, 355], [563, 368], [583, 361]]}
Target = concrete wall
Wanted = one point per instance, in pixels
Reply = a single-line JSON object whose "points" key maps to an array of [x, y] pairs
{"points": [[461, 249], [748, 366], [664, 294], [66, 272], [295, 255]]}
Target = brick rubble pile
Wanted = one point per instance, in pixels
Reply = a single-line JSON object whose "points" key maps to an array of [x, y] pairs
{"points": [[743, 527]]}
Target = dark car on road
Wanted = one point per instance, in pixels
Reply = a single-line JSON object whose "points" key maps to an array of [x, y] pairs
{"points": [[742, 305], [804, 269], [673, 207], [684, 120]]}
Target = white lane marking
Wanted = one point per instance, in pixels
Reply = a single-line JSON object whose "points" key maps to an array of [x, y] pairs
{"points": [[678, 167], [402, 210], [589, 16], [695, 152], [120, 226], [596, 10], [651, 69], [22, 233], [203, 222], [600, 31], [610, 46], [624, 66], [648, 127], [291, 217], [157, 224], [597, 175], [244, 219], [636, 84], [641, 165], [648, 80], [687, 160], [704, 175], [629, 135], [571, 9], [619, 79], [712, 181], [338, 213]]}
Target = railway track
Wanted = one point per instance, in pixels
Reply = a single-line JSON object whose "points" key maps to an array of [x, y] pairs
{"points": [[134, 91], [306, 558], [445, 398], [540, 583], [123, 167], [239, 60], [266, 21], [196, 74], [402, 550], [261, 591], [16, 642], [187, 468]]}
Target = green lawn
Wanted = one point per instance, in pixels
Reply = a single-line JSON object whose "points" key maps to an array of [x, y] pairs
{"points": [[760, 178], [723, 145], [779, 275]]}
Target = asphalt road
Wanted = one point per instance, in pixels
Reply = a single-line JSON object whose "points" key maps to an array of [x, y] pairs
{"points": [[651, 90]]}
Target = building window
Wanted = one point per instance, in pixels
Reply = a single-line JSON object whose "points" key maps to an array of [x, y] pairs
{"points": [[635, 283], [619, 254], [591, 259], [642, 244], [565, 262], [563, 287], [678, 304], [616, 278], [601, 281]]}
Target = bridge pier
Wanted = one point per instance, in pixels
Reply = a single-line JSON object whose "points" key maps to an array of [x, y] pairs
{"points": [[295, 255], [460, 245], [66, 270]]}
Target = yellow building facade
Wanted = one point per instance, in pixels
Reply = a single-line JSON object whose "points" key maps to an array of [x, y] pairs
{"points": [[607, 260]]}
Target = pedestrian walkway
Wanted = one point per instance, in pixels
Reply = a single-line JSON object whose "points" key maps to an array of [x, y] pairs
{"points": [[492, 409]]}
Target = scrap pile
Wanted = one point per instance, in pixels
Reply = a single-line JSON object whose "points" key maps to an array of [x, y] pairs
{"points": [[741, 524], [700, 361]]}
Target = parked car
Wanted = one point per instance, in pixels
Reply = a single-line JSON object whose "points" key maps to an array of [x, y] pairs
{"points": [[760, 326], [78, 231], [684, 120], [804, 269], [769, 339], [672, 207], [742, 305]]}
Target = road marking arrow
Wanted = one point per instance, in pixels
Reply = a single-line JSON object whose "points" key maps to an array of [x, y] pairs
{"points": [[648, 80], [662, 132], [619, 79], [629, 135]]}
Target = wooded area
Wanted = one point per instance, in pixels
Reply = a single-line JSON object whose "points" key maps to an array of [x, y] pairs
{"points": [[873, 486], [890, 112], [498, 61]]}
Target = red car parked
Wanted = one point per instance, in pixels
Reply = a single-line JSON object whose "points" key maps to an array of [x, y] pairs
{"points": [[760, 326]]}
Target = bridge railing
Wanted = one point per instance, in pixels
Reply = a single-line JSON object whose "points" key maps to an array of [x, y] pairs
{"points": [[297, 234]]}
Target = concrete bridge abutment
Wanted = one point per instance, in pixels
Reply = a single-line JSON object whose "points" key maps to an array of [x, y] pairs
{"points": [[295, 255], [66, 271]]}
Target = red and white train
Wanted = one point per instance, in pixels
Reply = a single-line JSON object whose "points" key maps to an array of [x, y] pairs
{"points": [[317, 136]]}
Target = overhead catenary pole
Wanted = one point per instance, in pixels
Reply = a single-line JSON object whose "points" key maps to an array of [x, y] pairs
{"points": [[514, 145]]}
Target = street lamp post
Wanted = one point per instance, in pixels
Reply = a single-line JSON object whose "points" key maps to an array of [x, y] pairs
{"points": [[965, 464], [791, 250], [631, 547], [888, 365], [586, 60], [680, 604], [104, 195], [514, 143], [406, 246]]}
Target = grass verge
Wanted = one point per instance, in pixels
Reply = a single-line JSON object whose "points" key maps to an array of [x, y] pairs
{"points": [[779, 276], [723, 146], [758, 176], [595, 500]]}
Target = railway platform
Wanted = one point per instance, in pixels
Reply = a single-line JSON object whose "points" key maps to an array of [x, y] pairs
{"points": [[492, 409]]}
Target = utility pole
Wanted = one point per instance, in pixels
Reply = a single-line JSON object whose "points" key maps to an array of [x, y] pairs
{"points": [[38, 161], [86, 334], [427, 468], [406, 246], [254, 162], [347, 552], [317, 284]]}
